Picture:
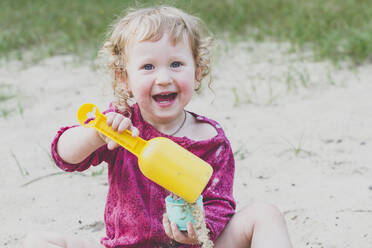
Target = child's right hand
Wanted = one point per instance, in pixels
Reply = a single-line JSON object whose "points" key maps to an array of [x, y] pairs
{"points": [[119, 123]]}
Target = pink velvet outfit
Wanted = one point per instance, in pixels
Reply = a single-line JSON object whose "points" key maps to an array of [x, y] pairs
{"points": [[135, 205]]}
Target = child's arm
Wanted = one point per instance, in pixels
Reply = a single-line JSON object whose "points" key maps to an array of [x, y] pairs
{"points": [[76, 144]]}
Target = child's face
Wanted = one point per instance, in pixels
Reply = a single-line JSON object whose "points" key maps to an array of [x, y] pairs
{"points": [[161, 77]]}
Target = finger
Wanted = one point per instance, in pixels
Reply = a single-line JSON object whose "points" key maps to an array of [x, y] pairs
{"points": [[111, 145], [191, 231], [135, 131], [167, 227], [124, 124], [116, 122], [178, 235], [110, 118]]}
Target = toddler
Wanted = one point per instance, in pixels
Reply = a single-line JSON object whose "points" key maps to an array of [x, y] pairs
{"points": [[158, 58]]}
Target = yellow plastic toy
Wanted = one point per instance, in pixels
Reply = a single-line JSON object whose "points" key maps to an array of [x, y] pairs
{"points": [[160, 159]]}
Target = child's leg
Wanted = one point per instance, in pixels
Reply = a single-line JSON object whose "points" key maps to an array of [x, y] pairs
{"points": [[256, 226], [56, 240]]}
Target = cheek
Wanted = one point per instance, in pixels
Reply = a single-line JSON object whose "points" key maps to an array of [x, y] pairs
{"points": [[187, 78], [138, 87], [188, 84], [187, 88], [140, 92]]}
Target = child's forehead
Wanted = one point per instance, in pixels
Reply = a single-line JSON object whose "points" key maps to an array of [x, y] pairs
{"points": [[165, 37]]}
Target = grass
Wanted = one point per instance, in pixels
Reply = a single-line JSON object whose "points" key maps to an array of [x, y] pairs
{"points": [[10, 101], [22, 171], [7, 94], [297, 150], [241, 153], [334, 29]]}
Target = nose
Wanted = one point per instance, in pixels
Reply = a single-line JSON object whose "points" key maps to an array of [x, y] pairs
{"points": [[163, 77]]}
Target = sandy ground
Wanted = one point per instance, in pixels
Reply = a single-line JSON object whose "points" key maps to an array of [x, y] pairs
{"points": [[300, 131]]}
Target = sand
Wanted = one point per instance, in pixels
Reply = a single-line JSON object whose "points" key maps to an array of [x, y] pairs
{"points": [[300, 131], [201, 229]]}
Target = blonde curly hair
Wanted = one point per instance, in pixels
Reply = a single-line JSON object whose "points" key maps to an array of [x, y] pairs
{"points": [[149, 24]]}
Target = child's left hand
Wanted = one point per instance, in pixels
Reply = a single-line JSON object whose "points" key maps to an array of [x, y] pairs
{"points": [[173, 232]]}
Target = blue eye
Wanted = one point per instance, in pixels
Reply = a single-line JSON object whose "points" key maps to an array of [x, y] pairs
{"points": [[176, 64], [148, 67]]}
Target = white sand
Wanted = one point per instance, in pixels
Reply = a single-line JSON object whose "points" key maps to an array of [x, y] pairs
{"points": [[301, 132]]}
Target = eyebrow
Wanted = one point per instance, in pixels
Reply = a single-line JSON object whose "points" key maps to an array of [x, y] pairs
{"points": [[150, 59]]}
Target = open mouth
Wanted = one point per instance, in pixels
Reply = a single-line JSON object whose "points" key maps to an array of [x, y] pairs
{"points": [[162, 98]]}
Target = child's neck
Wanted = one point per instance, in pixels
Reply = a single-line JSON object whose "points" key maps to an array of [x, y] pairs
{"points": [[172, 127]]}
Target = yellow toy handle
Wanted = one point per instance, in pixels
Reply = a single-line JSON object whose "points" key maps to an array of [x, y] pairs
{"points": [[89, 115]]}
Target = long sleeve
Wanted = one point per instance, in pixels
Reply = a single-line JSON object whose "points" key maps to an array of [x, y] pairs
{"points": [[100, 155], [219, 204]]}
